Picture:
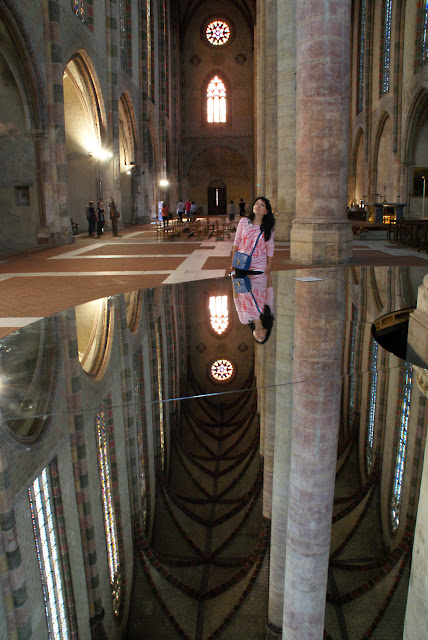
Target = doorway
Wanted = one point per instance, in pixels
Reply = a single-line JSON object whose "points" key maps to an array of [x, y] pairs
{"points": [[217, 198]]}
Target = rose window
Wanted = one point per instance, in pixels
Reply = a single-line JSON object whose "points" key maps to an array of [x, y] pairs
{"points": [[217, 32], [222, 370]]}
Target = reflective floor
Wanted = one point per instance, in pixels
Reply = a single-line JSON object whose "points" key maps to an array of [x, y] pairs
{"points": [[174, 447]]}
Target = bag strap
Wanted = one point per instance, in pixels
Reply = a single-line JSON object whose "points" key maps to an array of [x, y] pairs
{"points": [[258, 308], [256, 243]]}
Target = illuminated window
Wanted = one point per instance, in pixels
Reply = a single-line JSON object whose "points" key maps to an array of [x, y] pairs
{"points": [[109, 512], [361, 55], [216, 101], [222, 370], [160, 395], [403, 423], [386, 46], [219, 313], [217, 32], [421, 40], [372, 406], [50, 565], [80, 9]]}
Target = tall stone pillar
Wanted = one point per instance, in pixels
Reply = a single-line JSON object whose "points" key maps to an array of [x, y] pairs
{"points": [[281, 464], [321, 232], [112, 174], [260, 100], [317, 383], [270, 92], [286, 118]]}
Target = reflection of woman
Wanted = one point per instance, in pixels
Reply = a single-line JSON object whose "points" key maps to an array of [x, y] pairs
{"points": [[255, 306], [261, 219]]}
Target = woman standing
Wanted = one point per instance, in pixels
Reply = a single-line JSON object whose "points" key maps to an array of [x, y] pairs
{"points": [[261, 220], [100, 216], [165, 214]]}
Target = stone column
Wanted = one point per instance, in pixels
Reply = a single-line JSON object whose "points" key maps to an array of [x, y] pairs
{"points": [[416, 620], [111, 186], [317, 384], [260, 151], [286, 118], [270, 95], [321, 232], [281, 464]]}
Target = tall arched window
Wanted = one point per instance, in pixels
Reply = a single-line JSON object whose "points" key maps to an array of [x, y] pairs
{"points": [[219, 313], [216, 100], [125, 35], [421, 33], [371, 406], [108, 482], [385, 61], [79, 8], [401, 445], [361, 55]]}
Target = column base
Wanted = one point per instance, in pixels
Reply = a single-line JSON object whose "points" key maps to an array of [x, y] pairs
{"points": [[321, 241], [283, 222], [273, 632]]}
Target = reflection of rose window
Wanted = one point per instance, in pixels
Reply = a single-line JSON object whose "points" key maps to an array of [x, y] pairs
{"points": [[222, 370], [218, 32]]}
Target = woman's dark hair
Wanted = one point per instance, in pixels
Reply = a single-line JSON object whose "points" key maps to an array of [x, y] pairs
{"points": [[268, 221], [267, 321]]}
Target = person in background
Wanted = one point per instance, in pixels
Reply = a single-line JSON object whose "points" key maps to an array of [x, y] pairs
{"points": [[193, 211], [90, 214], [180, 210], [114, 216], [100, 217], [187, 206], [165, 214], [242, 204], [231, 209]]}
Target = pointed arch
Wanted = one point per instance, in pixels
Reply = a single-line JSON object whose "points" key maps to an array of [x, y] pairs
{"points": [[129, 127]]}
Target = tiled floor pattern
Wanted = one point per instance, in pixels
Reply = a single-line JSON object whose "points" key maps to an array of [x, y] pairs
{"points": [[41, 282]]}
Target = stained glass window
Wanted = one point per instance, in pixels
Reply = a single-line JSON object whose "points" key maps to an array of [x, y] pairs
{"points": [[425, 32], [160, 394], [403, 423], [386, 46], [352, 345], [217, 32], [216, 101], [372, 405], [150, 65], [110, 524], [48, 557], [80, 9], [141, 424], [361, 55], [222, 370], [219, 314]]}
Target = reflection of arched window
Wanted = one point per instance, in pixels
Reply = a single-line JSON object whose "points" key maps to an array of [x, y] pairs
{"points": [[372, 405], [219, 314], [352, 347], [140, 411], [108, 481], [47, 518], [401, 444], [216, 100], [160, 393]]}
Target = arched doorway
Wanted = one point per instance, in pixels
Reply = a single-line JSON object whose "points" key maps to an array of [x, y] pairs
{"points": [[87, 154], [216, 197], [128, 159]]}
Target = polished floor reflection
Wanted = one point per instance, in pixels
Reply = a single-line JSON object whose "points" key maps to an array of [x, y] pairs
{"points": [[185, 480]]}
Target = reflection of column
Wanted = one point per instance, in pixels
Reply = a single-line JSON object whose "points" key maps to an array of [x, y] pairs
{"points": [[12, 578], [111, 186], [261, 98], [417, 337], [321, 232], [284, 296], [318, 345], [271, 90]]}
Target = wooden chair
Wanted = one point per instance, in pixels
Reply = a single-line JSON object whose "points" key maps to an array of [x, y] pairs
{"points": [[74, 227]]}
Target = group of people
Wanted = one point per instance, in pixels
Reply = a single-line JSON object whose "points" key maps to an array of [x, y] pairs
{"points": [[254, 236], [187, 210], [96, 218]]}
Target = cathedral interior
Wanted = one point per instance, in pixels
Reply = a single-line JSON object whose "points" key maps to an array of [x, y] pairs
{"points": [[162, 475]]}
